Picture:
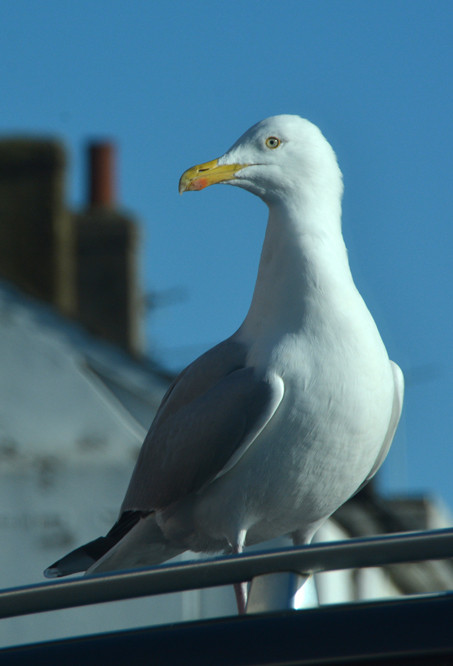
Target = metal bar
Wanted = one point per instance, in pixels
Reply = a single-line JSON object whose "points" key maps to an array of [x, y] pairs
{"points": [[353, 553]]}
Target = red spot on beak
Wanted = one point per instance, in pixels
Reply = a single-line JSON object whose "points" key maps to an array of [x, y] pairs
{"points": [[199, 184]]}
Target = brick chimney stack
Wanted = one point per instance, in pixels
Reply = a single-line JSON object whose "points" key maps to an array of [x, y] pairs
{"points": [[106, 257], [36, 234]]}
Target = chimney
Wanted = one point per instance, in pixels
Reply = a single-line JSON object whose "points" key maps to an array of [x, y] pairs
{"points": [[106, 257], [36, 241]]}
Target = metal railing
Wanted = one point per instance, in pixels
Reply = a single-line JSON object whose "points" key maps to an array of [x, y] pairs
{"points": [[331, 556]]}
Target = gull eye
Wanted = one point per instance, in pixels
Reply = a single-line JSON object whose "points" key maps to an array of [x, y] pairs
{"points": [[272, 142]]}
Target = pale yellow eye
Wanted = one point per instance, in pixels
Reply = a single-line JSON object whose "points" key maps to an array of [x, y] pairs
{"points": [[272, 142]]}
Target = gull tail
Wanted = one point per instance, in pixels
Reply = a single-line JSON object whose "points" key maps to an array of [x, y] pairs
{"points": [[134, 541]]}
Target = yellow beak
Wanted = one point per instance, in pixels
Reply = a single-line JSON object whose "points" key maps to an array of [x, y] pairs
{"points": [[200, 176]]}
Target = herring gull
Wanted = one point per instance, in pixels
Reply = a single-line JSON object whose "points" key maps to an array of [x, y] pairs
{"points": [[270, 431]]}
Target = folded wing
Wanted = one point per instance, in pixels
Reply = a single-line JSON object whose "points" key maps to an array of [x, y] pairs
{"points": [[209, 417]]}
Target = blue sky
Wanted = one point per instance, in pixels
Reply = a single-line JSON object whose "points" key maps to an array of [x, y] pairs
{"points": [[176, 83]]}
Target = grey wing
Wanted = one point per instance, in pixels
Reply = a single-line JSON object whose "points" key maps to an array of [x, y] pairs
{"points": [[211, 414], [200, 375], [397, 406]]}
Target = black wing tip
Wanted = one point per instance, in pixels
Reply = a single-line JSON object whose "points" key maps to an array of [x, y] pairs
{"points": [[82, 558], [77, 561]]}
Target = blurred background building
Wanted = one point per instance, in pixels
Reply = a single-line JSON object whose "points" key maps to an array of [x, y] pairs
{"points": [[78, 392]]}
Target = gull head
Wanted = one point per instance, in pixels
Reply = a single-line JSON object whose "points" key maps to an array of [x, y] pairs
{"points": [[281, 158]]}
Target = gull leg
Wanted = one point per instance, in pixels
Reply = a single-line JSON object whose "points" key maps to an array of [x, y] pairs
{"points": [[240, 589]]}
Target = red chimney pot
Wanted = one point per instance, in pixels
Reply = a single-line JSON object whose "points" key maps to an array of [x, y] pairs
{"points": [[101, 174]]}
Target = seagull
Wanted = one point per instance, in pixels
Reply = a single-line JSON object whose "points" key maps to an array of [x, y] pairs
{"points": [[270, 431]]}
